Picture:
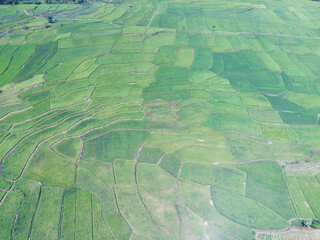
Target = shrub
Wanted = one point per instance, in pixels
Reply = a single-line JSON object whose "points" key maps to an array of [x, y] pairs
{"points": [[315, 223], [50, 19]]}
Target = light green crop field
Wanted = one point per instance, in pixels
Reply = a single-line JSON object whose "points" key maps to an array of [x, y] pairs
{"points": [[155, 119]]}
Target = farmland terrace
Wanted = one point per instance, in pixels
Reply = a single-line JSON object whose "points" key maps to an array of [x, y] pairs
{"points": [[160, 120]]}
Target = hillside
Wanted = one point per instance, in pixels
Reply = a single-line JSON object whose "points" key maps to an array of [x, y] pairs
{"points": [[160, 120]]}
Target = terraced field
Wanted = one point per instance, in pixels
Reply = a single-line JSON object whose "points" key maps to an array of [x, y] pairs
{"points": [[160, 120]]}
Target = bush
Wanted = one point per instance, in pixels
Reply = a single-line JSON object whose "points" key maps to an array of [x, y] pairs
{"points": [[50, 19], [307, 223], [297, 223], [315, 223]]}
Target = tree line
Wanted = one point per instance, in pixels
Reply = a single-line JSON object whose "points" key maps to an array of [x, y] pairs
{"points": [[14, 2]]}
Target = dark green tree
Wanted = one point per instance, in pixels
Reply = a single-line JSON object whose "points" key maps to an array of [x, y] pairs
{"points": [[50, 19]]}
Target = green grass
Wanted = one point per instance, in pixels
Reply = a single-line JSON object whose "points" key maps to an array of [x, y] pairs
{"points": [[42, 54], [137, 216], [233, 61], [35, 89], [120, 109], [8, 211], [156, 181], [69, 148], [242, 154], [266, 184], [150, 155], [118, 225], [100, 228], [124, 172], [21, 55], [184, 57], [4, 184], [68, 214], [71, 98], [152, 44], [254, 99], [226, 177], [299, 200], [115, 90], [2, 193], [84, 219], [202, 59], [205, 154], [198, 198], [63, 70], [311, 190], [264, 115], [278, 132], [132, 124], [31, 191], [162, 211], [123, 144], [46, 219], [103, 192], [51, 169], [166, 56], [171, 163], [191, 225], [246, 211], [39, 97], [223, 122], [102, 170], [304, 100], [94, 123], [6, 54], [28, 113]]}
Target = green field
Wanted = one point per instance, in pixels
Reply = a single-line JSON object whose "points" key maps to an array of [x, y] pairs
{"points": [[155, 119]]}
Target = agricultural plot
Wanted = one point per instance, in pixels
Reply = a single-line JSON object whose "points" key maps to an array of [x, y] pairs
{"points": [[159, 120]]}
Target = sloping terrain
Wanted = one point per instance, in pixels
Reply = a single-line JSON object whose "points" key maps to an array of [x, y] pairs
{"points": [[159, 120]]}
